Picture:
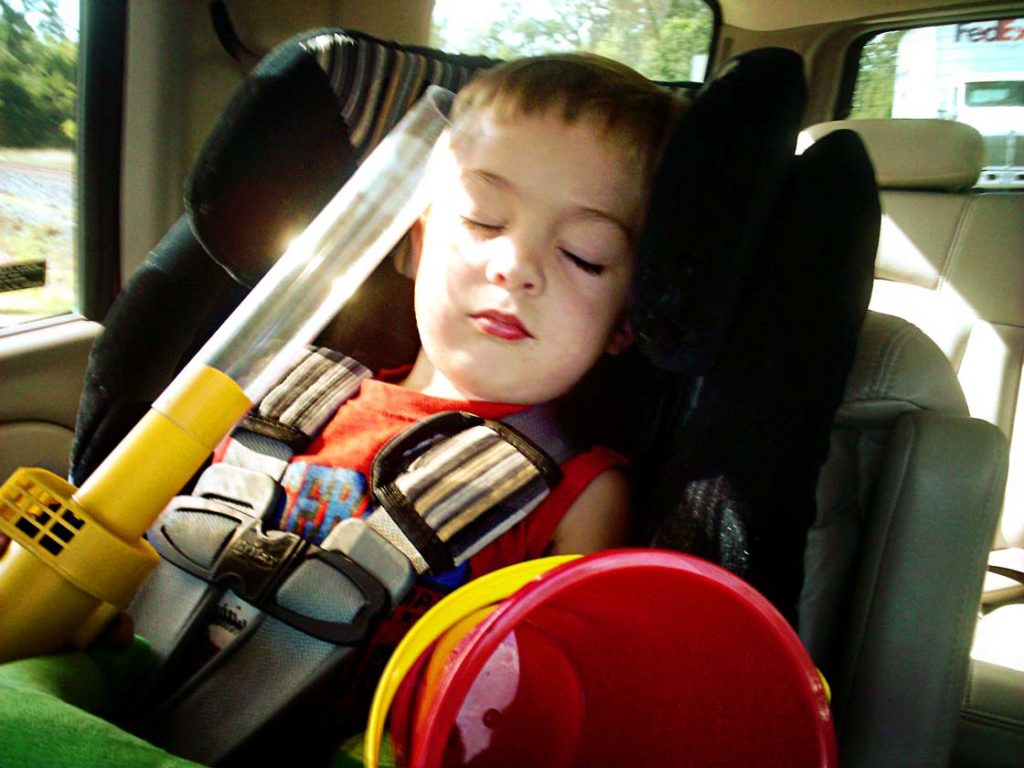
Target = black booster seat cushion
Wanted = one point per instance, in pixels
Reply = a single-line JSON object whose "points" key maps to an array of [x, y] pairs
{"points": [[754, 275]]}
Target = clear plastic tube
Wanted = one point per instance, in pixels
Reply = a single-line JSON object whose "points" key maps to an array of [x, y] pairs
{"points": [[324, 266], [286, 310]]}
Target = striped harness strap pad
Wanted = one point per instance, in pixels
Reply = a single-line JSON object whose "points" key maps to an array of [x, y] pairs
{"points": [[454, 483], [446, 487], [295, 411]]}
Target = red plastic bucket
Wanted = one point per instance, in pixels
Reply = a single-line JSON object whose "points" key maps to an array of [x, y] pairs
{"points": [[630, 657]]}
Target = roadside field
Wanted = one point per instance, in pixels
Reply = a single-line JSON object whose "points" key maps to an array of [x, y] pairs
{"points": [[37, 221]]}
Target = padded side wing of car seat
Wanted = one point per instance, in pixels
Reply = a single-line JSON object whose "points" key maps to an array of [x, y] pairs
{"points": [[279, 151], [278, 154], [763, 377], [173, 303], [294, 133], [714, 190], [760, 436]]}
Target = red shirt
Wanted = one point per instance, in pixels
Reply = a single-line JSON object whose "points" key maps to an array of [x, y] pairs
{"points": [[328, 483]]}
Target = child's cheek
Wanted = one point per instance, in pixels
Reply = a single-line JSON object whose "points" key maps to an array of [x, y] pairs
{"points": [[467, 255], [459, 273]]}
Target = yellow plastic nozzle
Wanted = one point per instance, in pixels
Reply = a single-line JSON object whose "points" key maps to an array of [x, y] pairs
{"points": [[160, 455], [79, 555], [40, 610], [65, 576]]}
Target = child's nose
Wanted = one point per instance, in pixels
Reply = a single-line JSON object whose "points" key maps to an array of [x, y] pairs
{"points": [[515, 266]]}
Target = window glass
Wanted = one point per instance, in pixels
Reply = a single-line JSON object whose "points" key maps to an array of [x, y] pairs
{"points": [[662, 39], [971, 72], [38, 71], [998, 93]]}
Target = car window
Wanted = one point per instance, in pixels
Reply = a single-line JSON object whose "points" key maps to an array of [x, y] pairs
{"points": [[662, 39], [972, 72], [38, 94]]}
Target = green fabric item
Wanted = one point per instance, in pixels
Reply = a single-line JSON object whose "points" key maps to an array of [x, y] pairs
{"points": [[350, 754], [50, 709]]}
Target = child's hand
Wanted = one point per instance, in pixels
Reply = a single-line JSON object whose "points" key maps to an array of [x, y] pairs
{"points": [[118, 633]]}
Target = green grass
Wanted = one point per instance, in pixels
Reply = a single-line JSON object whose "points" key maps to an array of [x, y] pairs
{"points": [[27, 242]]}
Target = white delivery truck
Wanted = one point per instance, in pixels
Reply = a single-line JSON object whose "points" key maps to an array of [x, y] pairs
{"points": [[973, 73]]}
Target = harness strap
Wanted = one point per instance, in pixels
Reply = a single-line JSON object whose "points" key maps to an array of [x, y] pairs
{"points": [[447, 487], [308, 396], [295, 411], [452, 484], [170, 607]]}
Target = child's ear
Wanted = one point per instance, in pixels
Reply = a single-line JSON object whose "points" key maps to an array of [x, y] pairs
{"points": [[621, 337], [411, 260]]}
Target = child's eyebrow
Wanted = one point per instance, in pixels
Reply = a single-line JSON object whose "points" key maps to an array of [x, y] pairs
{"points": [[584, 211], [489, 178], [597, 213]]}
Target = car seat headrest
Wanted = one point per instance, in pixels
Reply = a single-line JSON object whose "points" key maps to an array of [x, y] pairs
{"points": [[272, 162], [939, 155], [710, 202], [753, 278], [898, 369], [294, 133]]}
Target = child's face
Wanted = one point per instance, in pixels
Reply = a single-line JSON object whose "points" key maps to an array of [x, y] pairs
{"points": [[526, 259]]}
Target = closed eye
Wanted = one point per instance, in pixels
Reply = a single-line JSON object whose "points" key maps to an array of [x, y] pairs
{"points": [[587, 266], [481, 227]]}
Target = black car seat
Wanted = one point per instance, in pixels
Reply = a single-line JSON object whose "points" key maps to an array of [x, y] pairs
{"points": [[753, 282]]}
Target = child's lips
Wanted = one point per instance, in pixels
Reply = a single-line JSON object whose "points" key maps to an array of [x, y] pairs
{"points": [[502, 325]]}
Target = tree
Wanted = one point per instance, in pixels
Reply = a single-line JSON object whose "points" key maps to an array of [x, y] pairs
{"points": [[876, 76], [682, 38], [656, 37], [38, 70]]}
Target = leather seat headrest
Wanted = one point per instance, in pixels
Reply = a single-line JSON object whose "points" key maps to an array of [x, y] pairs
{"points": [[914, 154]]}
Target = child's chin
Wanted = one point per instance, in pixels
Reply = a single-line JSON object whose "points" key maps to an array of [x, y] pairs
{"points": [[487, 389]]}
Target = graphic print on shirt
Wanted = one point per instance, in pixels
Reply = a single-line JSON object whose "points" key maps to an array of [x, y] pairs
{"points": [[318, 498]]}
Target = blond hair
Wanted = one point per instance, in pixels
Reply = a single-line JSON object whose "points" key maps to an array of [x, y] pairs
{"points": [[580, 86]]}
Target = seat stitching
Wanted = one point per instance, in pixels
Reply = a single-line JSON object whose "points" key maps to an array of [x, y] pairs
{"points": [[953, 254], [989, 719], [894, 355], [861, 630], [882, 353], [980, 549]]}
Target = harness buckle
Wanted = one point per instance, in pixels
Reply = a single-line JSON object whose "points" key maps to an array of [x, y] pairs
{"points": [[335, 617], [272, 570], [253, 558], [255, 492]]}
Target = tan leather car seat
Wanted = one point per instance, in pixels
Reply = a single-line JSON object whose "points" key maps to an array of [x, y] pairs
{"points": [[951, 261]]}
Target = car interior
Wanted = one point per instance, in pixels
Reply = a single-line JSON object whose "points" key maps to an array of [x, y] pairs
{"points": [[912, 603]]}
